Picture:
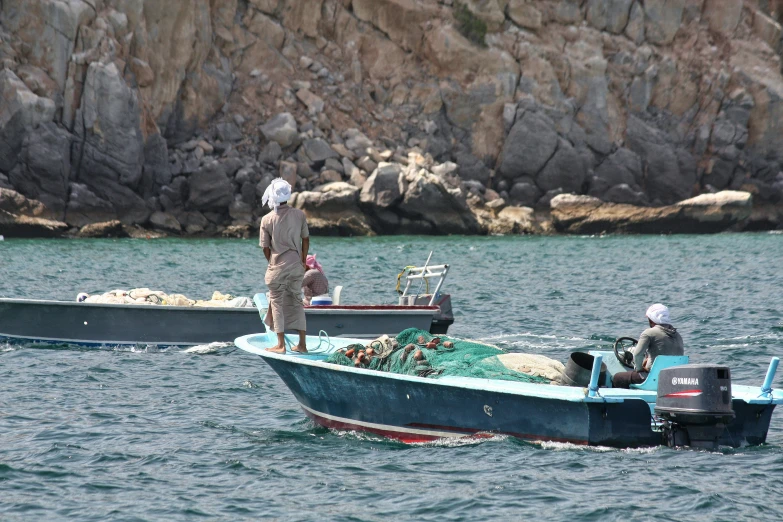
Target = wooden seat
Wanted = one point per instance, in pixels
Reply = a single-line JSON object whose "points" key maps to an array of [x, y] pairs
{"points": [[661, 362]]}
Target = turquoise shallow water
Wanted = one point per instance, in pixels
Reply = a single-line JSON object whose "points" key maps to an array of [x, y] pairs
{"points": [[131, 435]]}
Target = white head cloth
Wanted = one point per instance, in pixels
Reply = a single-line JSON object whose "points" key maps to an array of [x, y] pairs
{"points": [[279, 191], [659, 314]]}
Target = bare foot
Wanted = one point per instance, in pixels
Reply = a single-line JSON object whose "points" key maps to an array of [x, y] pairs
{"points": [[299, 349], [276, 349]]}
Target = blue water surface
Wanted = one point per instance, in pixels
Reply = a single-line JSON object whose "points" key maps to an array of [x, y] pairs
{"points": [[137, 435]]}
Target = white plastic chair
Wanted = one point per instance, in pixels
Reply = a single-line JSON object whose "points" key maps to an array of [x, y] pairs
{"points": [[338, 290]]}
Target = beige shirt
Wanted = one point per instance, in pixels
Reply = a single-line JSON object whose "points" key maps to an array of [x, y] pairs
{"points": [[282, 231]]}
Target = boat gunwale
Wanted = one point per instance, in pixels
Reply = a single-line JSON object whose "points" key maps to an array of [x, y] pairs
{"points": [[320, 310]]}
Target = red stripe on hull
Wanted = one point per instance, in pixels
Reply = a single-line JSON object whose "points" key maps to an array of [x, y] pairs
{"points": [[413, 437], [374, 307], [402, 437]]}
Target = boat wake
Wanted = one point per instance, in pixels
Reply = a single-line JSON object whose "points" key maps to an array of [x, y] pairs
{"points": [[567, 446], [459, 442], [210, 349], [528, 341]]}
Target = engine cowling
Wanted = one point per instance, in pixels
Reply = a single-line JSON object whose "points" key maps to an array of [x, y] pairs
{"points": [[695, 400]]}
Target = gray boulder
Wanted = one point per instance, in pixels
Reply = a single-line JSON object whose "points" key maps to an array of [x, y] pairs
{"points": [[210, 188], [598, 187], [333, 209], [240, 211], [385, 187], [525, 194], [231, 165], [566, 170], [84, 207], [608, 15], [471, 167], [45, 165], [108, 124], [317, 152], [228, 132], [529, 145], [546, 199], [634, 30], [20, 111], [176, 192], [720, 173], [156, 171], [356, 141], [437, 209], [281, 129], [130, 208], [665, 181], [335, 165], [245, 175], [623, 166], [193, 221], [165, 222], [662, 20], [622, 193], [262, 185], [271, 153], [248, 192]]}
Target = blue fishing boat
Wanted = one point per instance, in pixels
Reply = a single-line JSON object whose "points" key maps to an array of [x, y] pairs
{"points": [[679, 404]]}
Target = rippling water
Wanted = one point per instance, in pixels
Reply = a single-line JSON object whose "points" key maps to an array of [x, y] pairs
{"points": [[131, 435]]}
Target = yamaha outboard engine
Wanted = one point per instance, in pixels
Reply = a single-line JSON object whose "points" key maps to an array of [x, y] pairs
{"points": [[694, 401]]}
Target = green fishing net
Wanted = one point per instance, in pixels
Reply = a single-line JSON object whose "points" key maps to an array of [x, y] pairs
{"points": [[465, 359]]}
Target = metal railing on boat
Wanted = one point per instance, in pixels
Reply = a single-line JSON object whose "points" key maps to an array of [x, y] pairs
{"points": [[424, 274]]}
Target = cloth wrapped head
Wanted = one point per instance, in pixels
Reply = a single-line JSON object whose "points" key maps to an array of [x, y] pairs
{"points": [[279, 191], [659, 314], [312, 263]]}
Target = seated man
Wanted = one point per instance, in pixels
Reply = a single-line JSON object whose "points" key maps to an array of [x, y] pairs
{"points": [[314, 282], [661, 338]]}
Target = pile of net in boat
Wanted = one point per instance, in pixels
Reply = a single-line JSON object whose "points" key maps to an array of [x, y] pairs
{"points": [[145, 296], [418, 352]]}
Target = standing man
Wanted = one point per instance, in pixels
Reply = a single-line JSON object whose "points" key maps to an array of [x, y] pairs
{"points": [[285, 239], [661, 338]]}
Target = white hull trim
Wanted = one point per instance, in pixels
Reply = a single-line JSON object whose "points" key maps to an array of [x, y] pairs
{"points": [[385, 427]]}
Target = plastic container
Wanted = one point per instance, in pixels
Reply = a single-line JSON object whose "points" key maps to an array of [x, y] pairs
{"points": [[321, 300]]}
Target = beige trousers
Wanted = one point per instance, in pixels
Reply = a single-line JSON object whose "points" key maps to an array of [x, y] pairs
{"points": [[286, 310]]}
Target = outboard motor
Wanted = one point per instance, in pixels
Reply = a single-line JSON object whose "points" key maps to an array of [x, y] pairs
{"points": [[694, 401]]}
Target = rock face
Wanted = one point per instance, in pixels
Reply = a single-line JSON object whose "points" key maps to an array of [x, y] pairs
{"points": [[333, 209], [708, 213], [106, 229], [22, 217], [178, 115]]}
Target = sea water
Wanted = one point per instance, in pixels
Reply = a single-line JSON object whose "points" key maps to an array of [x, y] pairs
{"points": [[135, 434]]}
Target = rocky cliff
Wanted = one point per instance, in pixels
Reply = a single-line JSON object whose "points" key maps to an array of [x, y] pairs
{"points": [[387, 115]]}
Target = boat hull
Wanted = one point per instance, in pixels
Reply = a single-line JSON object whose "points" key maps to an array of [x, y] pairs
{"points": [[88, 324], [417, 409], [424, 410]]}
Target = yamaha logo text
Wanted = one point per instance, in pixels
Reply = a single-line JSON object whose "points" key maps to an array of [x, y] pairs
{"points": [[685, 380]]}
